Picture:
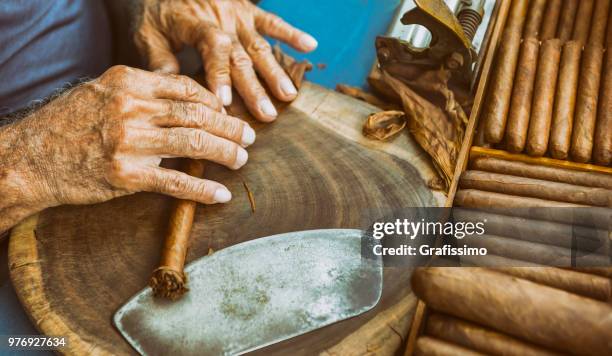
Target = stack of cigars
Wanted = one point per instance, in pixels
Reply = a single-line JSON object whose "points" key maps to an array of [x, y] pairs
{"points": [[550, 93]]}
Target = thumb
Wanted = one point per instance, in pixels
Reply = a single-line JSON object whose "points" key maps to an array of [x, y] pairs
{"points": [[156, 49]]}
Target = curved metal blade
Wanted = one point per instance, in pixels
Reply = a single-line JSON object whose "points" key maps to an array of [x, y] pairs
{"points": [[257, 293]]}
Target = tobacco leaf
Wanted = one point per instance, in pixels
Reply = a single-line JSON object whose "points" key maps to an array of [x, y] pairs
{"points": [[367, 97], [294, 69], [384, 125]]}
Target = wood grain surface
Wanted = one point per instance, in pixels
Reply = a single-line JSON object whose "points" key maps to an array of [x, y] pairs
{"points": [[74, 266]]}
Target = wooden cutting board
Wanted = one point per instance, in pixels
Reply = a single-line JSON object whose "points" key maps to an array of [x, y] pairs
{"points": [[74, 266]]}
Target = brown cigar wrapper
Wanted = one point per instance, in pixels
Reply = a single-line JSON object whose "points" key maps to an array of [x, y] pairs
{"points": [[522, 92], [602, 148], [586, 103], [566, 20], [169, 280], [565, 100], [478, 338], [498, 102], [544, 94], [550, 21], [543, 315], [582, 24], [597, 35], [536, 188], [428, 346], [534, 18], [554, 174]]}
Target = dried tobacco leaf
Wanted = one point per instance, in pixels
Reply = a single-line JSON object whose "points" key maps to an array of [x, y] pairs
{"points": [[294, 69], [384, 125], [367, 97]]}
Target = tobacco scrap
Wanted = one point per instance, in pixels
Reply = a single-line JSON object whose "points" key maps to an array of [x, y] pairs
{"points": [[294, 69], [365, 96], [384, 125], [321, 66], [249, 195]]}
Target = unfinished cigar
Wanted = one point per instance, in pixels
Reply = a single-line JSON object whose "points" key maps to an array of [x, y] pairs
{"points": [[566, 20], [534, 252], [478, 338], [543, 315], [169, 279], [565, 100], [515, 168], [584, 284], [496, 110], [522, 92], [597, 34], [602, 146], [534, 18], [582, 23], [600, 271], [586, 103], [545, 87], [550, 21], [536, 188], [517, 15], [428, 346]]}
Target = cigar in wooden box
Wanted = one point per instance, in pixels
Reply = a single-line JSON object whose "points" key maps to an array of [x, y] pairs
{"points": [[566, 20], [500, 91], [517, 15], [582, 23], [602, 146], [588, 240], [600, 271], [565, 100], [597, 34], [550, 21], [529, 252], [478, 338], [536, 188], [428, 346], [586, 103], [545, 316], [534, 18], [554, 174], [544, 96], [522, 92]]}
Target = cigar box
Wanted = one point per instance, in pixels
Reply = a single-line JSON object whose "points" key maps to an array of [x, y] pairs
{"points": [[474, 148]]}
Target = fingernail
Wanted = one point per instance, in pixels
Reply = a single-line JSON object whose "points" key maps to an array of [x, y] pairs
{"points": [[241, 158], [225, 94], [222, 195], [248, 136], [267, 107], [287, 87], [307, 41]]}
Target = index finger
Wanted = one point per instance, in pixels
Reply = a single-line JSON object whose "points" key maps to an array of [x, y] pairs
{"points": [[176, 87], [275, 27]]}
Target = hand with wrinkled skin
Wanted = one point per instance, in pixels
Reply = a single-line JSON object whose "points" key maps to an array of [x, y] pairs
{"points": [[106, 138], [228, 36]]}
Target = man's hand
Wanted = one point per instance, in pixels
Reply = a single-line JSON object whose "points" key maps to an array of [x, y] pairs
{"points": [[228, 35], [106, 138]]}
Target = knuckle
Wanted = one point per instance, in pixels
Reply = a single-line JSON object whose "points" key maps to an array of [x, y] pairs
{"points": [[259, 47], [118, 72], [120, 103], [241, 60], [221, 40]]}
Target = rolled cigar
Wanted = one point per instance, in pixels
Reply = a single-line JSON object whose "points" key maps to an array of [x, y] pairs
{"points": [[600, 271], [530, 208], [597, 35], [583, 239], [550, 21], [569, 176], [522, 91], [586, 103], [169, 279], [427, 346], [478, 338], [566, 20], [609, 32], [582, 24], [517, 15], [543, 315], [534, 252], [545, 87], [534, 18], [496, 110], [602, 147], [536, 188], [565, 100], [584, 284]]}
